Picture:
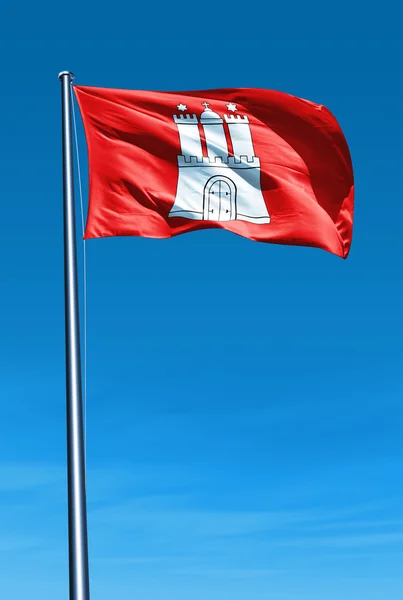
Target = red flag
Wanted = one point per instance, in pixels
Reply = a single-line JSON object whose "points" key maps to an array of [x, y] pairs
{"points": [[263, 164]]}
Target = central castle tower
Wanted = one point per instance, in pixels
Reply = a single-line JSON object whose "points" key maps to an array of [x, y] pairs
{"points": [[218, 187]]}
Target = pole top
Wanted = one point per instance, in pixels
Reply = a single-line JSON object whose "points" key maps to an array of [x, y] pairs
{"points": [[68, 73]]}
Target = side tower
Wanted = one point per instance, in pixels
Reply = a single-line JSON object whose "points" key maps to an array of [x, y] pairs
{"points": [[241, 137], [189, 135]]}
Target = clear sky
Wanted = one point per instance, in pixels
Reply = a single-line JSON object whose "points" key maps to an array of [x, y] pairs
{"points": [[244, 400]]}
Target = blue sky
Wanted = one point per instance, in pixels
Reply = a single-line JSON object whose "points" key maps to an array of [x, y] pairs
{"points": [[244, 400]]}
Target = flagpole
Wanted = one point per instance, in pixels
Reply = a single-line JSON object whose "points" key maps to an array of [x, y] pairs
{"points": [[78, 541]]}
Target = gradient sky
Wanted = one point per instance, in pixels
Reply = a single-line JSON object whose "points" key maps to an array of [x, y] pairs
{"points": [[244, 400]]}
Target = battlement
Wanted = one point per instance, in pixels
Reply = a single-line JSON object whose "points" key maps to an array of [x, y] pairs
{"points": [[199, 161], [236, 119], [185, 119], [243, 162]]}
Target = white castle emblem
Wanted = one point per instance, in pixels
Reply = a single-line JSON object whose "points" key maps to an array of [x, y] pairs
{"points": [[218, 187]]}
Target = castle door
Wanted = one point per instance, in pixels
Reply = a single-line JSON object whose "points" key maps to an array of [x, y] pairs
{"points": [[219, 199]]}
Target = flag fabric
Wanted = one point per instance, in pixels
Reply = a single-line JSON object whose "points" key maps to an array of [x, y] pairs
{"points": [[263, 164]]}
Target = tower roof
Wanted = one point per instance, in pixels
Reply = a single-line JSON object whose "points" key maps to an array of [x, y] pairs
{"points": [[209, 116]]}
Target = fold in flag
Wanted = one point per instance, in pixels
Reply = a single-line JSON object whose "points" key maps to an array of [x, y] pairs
{"points": [[263, 164]]}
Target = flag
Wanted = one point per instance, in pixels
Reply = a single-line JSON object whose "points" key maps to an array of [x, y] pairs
{"points": [[263, 164]]}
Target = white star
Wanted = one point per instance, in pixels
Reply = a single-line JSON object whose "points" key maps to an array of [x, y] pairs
{"points": [[182, 107], [232, 106]]}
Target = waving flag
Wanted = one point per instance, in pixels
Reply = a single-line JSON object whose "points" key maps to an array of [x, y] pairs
{"points": [[263, 164]]}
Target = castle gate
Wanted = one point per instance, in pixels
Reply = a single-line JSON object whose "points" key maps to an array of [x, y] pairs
{"points": [[219, 201]]}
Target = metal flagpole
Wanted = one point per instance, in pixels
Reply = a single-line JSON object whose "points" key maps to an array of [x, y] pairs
{"points": [[78, 542]]}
